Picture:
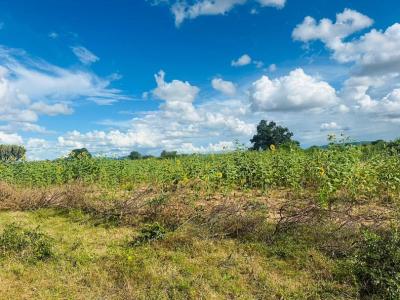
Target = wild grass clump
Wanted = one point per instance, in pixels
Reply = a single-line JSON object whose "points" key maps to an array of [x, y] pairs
{"points": [[27, 244]]}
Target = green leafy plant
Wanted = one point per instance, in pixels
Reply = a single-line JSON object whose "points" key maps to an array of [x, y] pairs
{"points": [[377, 265], [149, 233], [27, 244]]}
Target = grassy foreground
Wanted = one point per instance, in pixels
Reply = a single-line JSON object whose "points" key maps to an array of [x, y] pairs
{"points": [[288, 224]]}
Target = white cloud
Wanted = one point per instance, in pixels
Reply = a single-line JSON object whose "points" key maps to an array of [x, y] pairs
{"points": [[347, 23], [273, 3], [296, 91], [177, 121], [272, 68], [34, 143], [30, 87], [225, 87], [84, 55], [97, 140], [53, 35], [244, 60], [7, 138], [183, 10], [16, 126], [210, 148], [375, 52], [331, 126], [52, 109], [372, 88], [178, 96]]}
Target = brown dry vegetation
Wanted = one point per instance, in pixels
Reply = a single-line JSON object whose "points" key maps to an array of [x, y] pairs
{"points": [[238, 245]]}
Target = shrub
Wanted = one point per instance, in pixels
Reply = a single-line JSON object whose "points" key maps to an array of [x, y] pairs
{"points": [[377, 266], [149, 233], [28, 244]]}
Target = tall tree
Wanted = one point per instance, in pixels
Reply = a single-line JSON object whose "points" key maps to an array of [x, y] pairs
{"points": [[271, 134], [79, 154], [134, 155], [12, 153], [168, 154]]}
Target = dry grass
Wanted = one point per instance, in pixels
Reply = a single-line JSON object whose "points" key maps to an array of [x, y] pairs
{"points": [[239, 245]]}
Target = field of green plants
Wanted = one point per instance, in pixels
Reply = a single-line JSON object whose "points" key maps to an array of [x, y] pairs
{"points": [[358, 171], [286, 223]]}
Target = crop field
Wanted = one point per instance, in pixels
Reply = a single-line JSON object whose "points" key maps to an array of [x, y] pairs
{"points": [[278, 224]]}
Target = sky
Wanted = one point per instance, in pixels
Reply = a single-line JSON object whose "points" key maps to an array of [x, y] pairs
{"points": [[195, 76]]}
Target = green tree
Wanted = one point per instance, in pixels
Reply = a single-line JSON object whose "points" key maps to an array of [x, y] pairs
{"points": [[168, 154], [10, 153], [134, 155], [79, 154], [271, 134]]}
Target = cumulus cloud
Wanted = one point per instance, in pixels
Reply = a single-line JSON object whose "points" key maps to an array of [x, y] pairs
{"points": [[84, 55], [178, 97], [225, 87], [375, 52], [142, 136], [178, 120], [34, 143], [183, 10], [244, 60], [52, 109], [294, 92], [10, 138], [347, 23], [374, 56], [331, 126]]}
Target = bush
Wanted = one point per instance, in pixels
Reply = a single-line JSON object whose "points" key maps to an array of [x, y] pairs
{"points": [[149, 233], [28, 244], [377, 266]]}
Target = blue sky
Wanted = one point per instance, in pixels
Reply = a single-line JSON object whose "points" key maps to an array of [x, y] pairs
{"points": [[194, 76]]}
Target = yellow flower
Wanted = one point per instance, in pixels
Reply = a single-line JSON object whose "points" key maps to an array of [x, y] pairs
{"points": [[322, 171], [219, 175], [272, 147]]}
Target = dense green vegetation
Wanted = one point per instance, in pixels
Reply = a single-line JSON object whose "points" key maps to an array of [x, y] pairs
{"points": [[359, 171], [286, 223]]}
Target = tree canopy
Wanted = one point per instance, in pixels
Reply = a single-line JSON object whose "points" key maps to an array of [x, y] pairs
{"points": [[168, 154], [134, 155], [79, 154], [269, 134], [10, 153]]}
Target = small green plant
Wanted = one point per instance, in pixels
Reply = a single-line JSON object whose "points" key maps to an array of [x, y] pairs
{"points": [[149, 233], [377, 266], [27, 244]]}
